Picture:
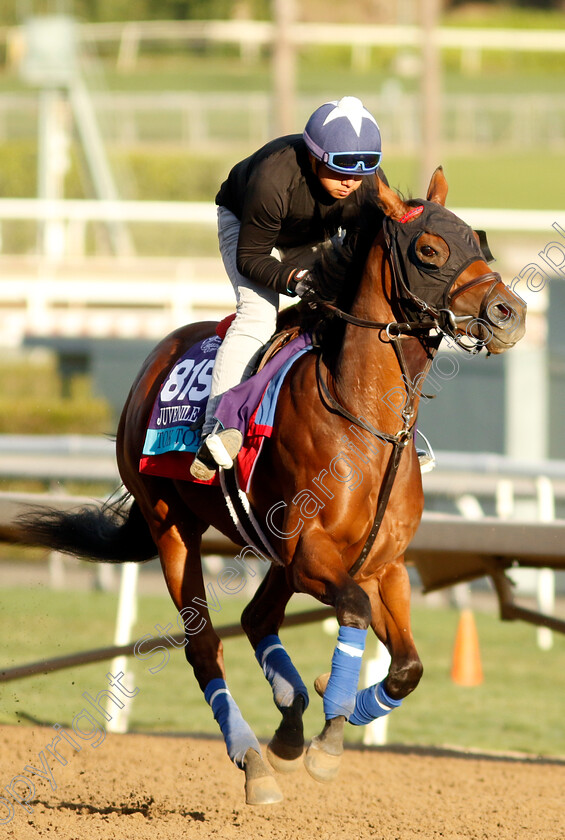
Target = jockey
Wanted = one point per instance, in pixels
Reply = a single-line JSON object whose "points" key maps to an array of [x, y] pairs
{"points": [[274, 209]]}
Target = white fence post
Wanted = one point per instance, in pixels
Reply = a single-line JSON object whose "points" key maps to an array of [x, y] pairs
{"points": [[546, 577], [376, 669], [127, 615]]}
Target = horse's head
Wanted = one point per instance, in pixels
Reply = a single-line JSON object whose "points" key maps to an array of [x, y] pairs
{"points": [[440, 271]]}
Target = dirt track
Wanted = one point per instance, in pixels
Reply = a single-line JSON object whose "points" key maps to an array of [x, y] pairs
{"points": [[160, 788]]}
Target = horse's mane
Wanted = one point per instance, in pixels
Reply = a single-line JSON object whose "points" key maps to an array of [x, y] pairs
{"points": [[337, 272]]}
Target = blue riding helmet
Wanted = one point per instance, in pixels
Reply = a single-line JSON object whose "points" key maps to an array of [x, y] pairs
{"points": [[345, 136]]}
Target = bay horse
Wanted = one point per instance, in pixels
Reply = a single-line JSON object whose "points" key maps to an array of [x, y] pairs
{"points": [[338, 485]]}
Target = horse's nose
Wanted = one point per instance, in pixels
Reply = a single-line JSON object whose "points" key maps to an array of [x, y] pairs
{"points": [[501, 314], [508, 312]]}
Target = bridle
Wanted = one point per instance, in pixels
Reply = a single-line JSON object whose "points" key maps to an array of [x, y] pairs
{"points": [[493, 278], [445, 323], [443, 320]]}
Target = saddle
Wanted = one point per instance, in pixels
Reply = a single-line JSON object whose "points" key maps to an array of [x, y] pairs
{"points": [[173, 432], [279, 340], [276, 343]]}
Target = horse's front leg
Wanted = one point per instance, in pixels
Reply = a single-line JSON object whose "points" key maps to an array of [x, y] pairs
{"points": [[261, 621], [319, 571], [389, 592]]}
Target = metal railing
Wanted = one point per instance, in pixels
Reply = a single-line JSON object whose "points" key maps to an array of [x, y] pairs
{"points": [[256, 32], [447, 550], [250, 35], [61, 291], [491, 477], [469, 121]]}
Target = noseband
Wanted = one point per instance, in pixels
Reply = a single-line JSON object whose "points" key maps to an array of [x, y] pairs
{"points": [[443, 320], [452, 321]]}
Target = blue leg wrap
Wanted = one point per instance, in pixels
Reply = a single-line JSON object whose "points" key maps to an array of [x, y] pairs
{"points": [[372, 703], [339, 697], [237, 733], [280, 672]]}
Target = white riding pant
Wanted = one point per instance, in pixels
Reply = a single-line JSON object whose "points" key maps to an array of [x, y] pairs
{"points": [[254, 323]]}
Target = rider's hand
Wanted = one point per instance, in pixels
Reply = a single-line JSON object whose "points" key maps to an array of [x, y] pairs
{"points": [[303, 285]]}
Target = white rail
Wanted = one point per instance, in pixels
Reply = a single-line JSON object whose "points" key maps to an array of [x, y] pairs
{"points": [[446, 549], [205, 213], [91, 210], [62, 292], [468, 121], [264, 32], [85, 457]]}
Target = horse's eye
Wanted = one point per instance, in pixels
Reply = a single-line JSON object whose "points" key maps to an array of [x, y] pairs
{"points": [[428, 251]]}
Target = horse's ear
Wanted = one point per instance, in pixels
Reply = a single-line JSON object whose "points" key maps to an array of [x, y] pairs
{"points": [[437, 191], [389, 201]]}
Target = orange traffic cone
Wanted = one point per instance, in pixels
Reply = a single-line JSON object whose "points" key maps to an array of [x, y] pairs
{"points": [[466, 668]]}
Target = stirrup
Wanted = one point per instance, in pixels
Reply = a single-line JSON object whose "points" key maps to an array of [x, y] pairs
{"points": [[203, 467], [224, 446], [218, 449], [427, 461], [426, 456]]}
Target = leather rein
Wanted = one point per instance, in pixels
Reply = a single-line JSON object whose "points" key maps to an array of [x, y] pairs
{"points": [[395, 331]]}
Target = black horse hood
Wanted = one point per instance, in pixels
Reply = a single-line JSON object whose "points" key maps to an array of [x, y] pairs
{"points": [[421, 286]]}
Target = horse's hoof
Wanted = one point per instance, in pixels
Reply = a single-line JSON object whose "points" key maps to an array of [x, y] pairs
{"points": [[321, 765], [287, 744], [261, 787], [262, 791], [321, 683], [283, 758]]}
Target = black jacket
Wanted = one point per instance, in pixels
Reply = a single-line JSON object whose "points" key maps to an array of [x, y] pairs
{"points": [[281, 204]]}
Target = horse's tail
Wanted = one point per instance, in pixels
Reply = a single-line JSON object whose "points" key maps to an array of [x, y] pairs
{"points": [[110, 533]]}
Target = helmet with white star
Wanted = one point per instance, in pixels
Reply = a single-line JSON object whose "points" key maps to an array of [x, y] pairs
{"points": [[344, 136]]}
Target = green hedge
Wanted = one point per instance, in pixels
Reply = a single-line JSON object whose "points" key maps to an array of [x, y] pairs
{"points": [[170, 175], [32, 399], [18, 169], [175, 174], [54, 416]]}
